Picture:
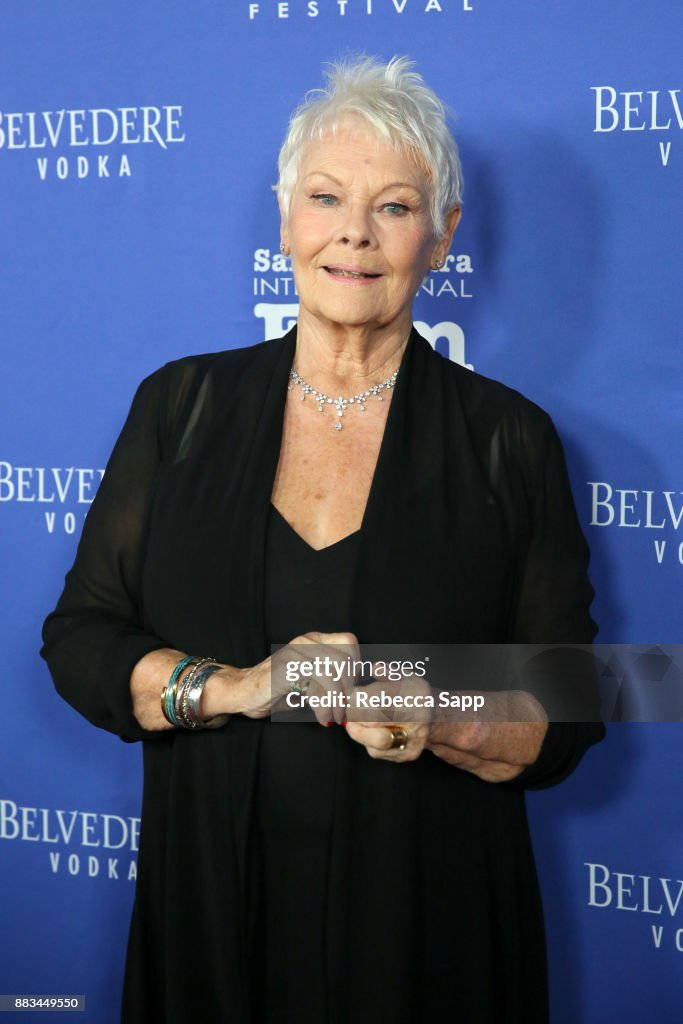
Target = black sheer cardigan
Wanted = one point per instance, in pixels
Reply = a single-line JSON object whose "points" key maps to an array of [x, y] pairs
{"points": [[469, 536]]}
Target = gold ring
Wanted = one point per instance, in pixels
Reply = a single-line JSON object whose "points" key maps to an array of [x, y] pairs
{"points": [[399, 737]]}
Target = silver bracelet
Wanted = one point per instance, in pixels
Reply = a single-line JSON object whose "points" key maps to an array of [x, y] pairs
{"points": [[188, 710], [182, 688]]}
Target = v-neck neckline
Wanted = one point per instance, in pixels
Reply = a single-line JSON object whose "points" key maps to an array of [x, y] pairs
{"points": [[303, 542]]}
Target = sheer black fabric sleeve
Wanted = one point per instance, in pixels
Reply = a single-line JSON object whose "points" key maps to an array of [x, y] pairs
{"points": [[95, 635], [554, 601]]}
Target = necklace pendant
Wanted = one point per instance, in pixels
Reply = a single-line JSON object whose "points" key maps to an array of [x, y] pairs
{"points": [[340, 403]]}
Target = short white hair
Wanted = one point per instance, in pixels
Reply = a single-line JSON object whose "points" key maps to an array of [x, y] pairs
{"points": [[398, 106]]}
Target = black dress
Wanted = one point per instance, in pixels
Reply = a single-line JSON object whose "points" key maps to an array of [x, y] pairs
{"points": [[292, 821], [432, 906]]}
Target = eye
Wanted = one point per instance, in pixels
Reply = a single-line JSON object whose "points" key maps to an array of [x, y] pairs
{"points": [[324, 198], [396, 209]]}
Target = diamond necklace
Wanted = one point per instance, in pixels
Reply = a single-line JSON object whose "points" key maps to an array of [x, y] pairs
{"points": [[340, 403]]}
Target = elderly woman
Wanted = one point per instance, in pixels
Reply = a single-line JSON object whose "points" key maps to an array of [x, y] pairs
{"points": [[284, 874]]}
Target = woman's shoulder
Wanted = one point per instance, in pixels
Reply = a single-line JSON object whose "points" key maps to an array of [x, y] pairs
{"points": [[488, 404], [512, 437], [185, 386], [182, 377], [222, 361]]}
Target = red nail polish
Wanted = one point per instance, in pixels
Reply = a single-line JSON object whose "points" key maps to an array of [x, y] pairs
{"points": [[344, 723], [328, 724]]}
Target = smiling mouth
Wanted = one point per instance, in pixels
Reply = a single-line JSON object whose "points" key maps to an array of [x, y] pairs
{"points": [[357, 274]]}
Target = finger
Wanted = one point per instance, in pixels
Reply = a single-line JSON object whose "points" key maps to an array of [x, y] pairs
{"points": [[375, 737], [409, 750], [339, 712], [340, 639], [301, 644], [324, 717], [335, 714], [331, 664], [344, 641]]}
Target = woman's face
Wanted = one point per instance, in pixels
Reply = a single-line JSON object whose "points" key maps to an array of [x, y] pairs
{"points": [[360, 231]]}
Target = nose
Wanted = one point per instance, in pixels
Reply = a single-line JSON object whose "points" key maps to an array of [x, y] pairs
{"points": [[356, 229]]}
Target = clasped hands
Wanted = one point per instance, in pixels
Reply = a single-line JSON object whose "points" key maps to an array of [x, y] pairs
{"points": [[495, 745]]}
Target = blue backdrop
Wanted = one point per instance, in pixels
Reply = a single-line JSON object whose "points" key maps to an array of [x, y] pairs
{"points": [[138, 145]]}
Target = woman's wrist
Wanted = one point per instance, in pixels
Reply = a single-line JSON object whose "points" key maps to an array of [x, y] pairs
{"points": [[222, 694]]}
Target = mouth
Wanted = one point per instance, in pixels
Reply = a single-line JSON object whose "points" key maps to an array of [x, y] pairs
{"points": [[354, 275]]}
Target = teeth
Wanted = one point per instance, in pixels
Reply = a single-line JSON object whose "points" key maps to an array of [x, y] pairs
{"points": [[350, 273]]}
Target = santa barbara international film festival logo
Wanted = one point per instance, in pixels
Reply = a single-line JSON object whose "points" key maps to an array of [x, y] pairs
{"points": [[658, 514], [84, 843], [655, 113], [89, 142], [286, 10], [655, 900], [277, 306], [60, 495]]}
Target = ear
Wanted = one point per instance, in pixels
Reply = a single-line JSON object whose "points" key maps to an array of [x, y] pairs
{"points": [[284, 238], [451, 221]]}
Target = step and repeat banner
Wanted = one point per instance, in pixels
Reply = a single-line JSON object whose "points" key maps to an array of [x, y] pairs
{"points": [[138, 147]]}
